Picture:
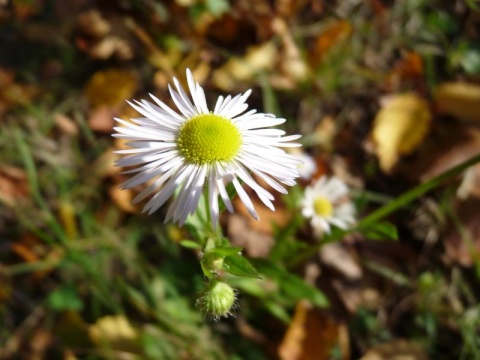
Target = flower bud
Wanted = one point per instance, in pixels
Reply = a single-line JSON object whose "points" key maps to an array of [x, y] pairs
{"points": [[218, 300]]}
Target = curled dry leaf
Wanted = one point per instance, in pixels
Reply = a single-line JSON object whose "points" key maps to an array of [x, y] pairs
{"points": [[399, 127], [122, 198], [13, 185], [257, 59], [111, 46], [66, 124], [293, 64], [459, 99], [93, 24]]}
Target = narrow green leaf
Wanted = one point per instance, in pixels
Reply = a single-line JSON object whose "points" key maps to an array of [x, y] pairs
{"points": [[293, 286], [190, 244], [381, 230]]}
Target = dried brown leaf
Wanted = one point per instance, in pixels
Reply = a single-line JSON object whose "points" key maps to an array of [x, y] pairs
{"points": [[240, 233], [13, 94], [408, 70], [449, 145], [336, 32], [335, 255], [13, 185], [462, 242], [122, 198], [311, 335], [396, 350], [101, 119], [292, 63]]}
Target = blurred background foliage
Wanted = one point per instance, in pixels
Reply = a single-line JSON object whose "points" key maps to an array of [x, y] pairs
{"points": [[387, 96]]}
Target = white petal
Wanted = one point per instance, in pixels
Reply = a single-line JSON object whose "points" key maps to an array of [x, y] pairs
{"points": [[213, 199], [167, 190], [245, 199]]}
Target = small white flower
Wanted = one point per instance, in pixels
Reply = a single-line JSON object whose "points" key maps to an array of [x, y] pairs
{"points": [[326, 203], [197, 147]]}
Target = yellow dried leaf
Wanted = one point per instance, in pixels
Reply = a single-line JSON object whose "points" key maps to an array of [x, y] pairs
{"points": [[110, 87], [113, 328], [117, 332], [258, 58], [459, 99], [399, 127]]}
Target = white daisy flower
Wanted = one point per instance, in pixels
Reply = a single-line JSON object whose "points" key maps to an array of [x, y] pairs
{"points": [[196, 147], [326, 203]]}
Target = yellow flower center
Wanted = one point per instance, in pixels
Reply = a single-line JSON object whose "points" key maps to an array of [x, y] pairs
{"points": [[323, 207], [208, 138]]}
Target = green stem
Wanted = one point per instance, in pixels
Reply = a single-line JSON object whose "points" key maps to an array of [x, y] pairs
{"points": [[31, 171], [207, 210], [412, 194], [382, 212]]}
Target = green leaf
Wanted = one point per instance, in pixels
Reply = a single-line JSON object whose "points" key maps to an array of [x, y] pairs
{"points": [[65, 298], [217, 7], [471, 60], [239, 266], [226, 251], [190, 244], [381, 230], [293, 286], [278, 311]]}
